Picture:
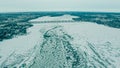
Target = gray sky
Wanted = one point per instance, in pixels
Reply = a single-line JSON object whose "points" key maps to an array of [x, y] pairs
{"points": [[59, 5]]}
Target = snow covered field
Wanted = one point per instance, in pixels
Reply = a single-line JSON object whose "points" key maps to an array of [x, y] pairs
{"points": [[63, 45]]}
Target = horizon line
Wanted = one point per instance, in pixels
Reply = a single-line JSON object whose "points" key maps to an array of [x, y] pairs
{"points": [[61, 11]]}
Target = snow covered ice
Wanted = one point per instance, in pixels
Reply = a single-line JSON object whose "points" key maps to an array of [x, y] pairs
{"points": [[63, 45]]}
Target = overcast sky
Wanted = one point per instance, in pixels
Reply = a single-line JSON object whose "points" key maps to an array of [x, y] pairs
{"points": [[59, 5]]}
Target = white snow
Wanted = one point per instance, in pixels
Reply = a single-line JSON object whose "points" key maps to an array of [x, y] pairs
{"points": [[20, 44], [90, 31], [58, 18], [81, 31], [99, 35]]}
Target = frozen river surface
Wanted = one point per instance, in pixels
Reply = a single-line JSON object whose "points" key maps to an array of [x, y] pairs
{"points": [[63, 45]]}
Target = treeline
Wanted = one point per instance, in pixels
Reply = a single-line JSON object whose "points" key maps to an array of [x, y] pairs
{"points": [[107, 19]]}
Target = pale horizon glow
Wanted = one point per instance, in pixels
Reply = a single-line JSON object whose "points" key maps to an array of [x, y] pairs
{"points": [[59, 5]]}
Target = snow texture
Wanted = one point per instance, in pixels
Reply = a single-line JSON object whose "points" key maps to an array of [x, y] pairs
{"points": [[63, 45]]}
